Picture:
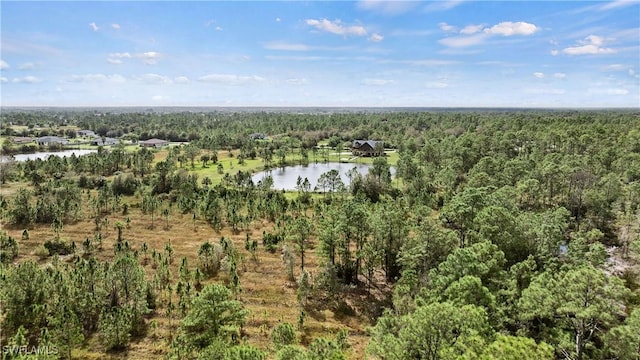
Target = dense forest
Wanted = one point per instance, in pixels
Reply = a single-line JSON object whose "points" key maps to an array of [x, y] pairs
{"points": [[501, 235]]}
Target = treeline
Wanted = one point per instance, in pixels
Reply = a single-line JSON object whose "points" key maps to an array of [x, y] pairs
{"points": [[232, 128]]}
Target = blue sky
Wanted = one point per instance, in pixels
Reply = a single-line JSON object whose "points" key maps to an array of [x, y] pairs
{"points": [[321, 53]]}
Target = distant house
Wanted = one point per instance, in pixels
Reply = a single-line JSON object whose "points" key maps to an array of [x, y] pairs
{"points": [[49, 140], [157, 143], [22, 140], [105, 141], [258, 136], [367, 148], [87, 133]]}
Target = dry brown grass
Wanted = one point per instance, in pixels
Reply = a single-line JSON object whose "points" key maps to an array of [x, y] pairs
{"points": [[265, 290], [9, 189]]}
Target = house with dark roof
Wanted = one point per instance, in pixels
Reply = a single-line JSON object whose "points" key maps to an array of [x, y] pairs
{"points": [[99, 141], [87, 133], [22, 139], [49, 140], [367, 148], [258, 136], [157, 143]]}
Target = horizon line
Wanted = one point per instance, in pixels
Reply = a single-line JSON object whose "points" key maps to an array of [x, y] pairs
{"points": [[151, 107]]}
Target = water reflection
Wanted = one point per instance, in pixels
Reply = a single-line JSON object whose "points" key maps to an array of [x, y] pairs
{"points": [[43, 155], [286, 178]]}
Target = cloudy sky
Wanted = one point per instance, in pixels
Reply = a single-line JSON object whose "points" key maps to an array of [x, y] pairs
{"points": [[321, 53]]}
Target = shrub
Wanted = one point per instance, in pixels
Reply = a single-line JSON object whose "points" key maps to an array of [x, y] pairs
{"points": [[58, 247], [283, 334], [322, 348], [21, 212], [213, 316], [292, 352], [115, 328], [244, 352], [41, 252], [83, 181], [8, 248], [125, 184], [209, 257], [270, 241]]}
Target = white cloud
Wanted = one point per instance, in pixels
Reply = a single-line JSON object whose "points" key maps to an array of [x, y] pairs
{"points": [[593, 40], [94, 27], [387, 7], [545, 91], [617, 4], [4, 79], [626, 35], [28, 46], [499, 63], [447, 28], [554, 52], [471, 29], [436, 85], [376, 37], [376, 82], [297, 58], [231, 79], [607, 91], [476, 34], [420, 62], [27, 80], [285, 46], [181, 80], [443, 5], [300, 81], [160, 98], [148, 58], [116, 78], [124, 55], [539, 75], [336, 27], [278, 19], [460, 51], [27, 66], [279, 45], [509, 28], [615, 67], [463, 41], [606, 6], [219, 28], [559, 75], [591, 45], [115, 26], [90, 78], [153, 79], [4, 65]]}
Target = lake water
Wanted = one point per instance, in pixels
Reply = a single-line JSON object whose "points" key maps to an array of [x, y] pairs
{"points": [[44, 155], [287, 178]]}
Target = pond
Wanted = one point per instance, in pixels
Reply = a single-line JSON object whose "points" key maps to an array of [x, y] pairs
{"points": [[45, 154], [286, 178]]}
